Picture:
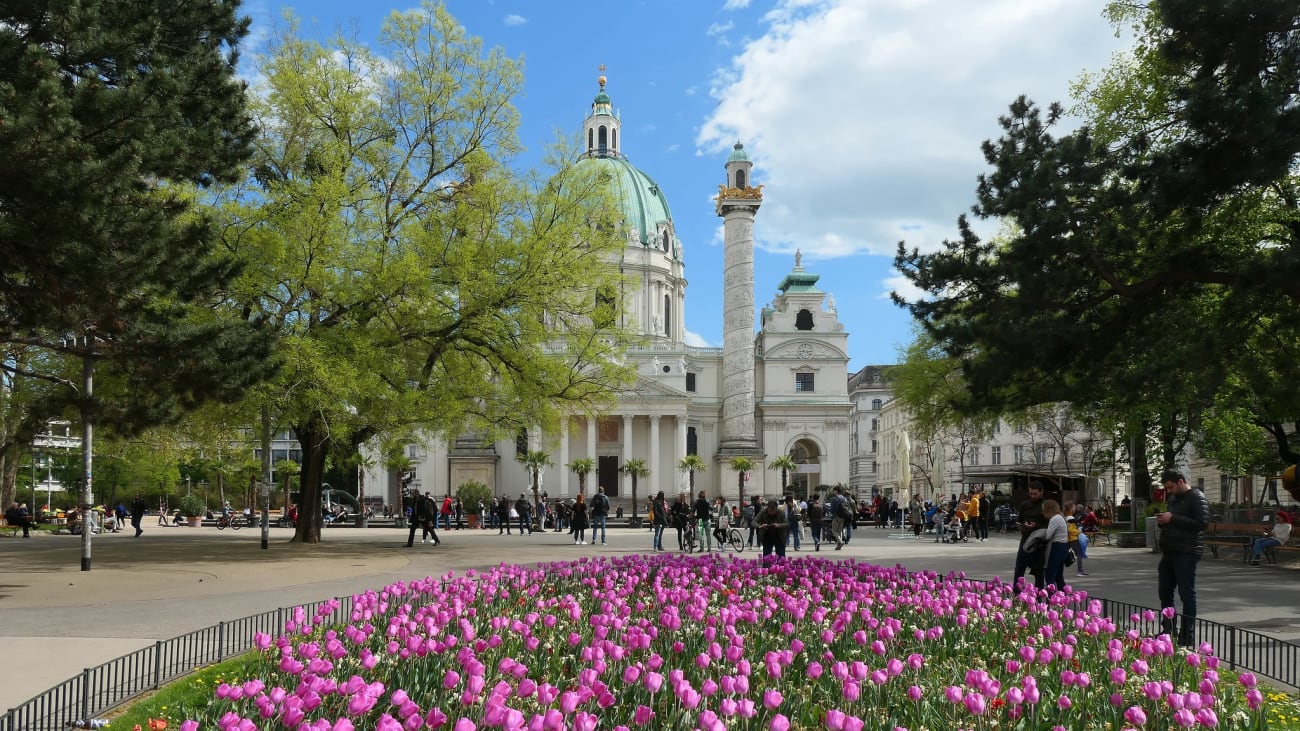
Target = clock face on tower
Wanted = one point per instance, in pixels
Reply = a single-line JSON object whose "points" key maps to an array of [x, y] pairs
{"points": [[805, 351]]}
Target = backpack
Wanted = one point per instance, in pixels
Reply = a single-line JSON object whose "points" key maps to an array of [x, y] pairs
{"points": [[846, 509], [747, 515], [600, 504]]}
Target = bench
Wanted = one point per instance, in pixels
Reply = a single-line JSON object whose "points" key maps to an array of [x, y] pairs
{"points": [[1234, 535], [13, 529], [1098, 534]]}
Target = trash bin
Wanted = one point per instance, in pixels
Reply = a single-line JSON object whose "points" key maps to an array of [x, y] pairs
{"points": [[1153, 534]]}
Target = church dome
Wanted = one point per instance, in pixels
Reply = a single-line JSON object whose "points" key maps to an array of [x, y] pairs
{"points": [[642, 202]]}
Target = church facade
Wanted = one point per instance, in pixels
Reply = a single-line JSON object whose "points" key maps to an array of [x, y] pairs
{"points": [[782, 390]]}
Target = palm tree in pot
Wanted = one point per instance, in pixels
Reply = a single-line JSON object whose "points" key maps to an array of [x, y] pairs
{"points": [[786, 464], [582, 467], [743, 466], [635, 468]]}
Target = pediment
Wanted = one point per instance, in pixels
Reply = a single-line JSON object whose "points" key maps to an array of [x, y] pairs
{"points": [[648, 388]]}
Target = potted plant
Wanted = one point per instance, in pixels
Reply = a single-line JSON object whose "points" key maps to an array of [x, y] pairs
{"points": [[469, 494], [193, 507]]}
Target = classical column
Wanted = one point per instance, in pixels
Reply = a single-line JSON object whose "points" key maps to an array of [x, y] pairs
{"points": [[563, 487], [626, 490], [654, 455], [737, 203], [591, 438], [682, 426]]}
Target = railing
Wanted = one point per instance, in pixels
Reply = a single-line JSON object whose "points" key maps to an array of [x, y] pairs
{"points": [[107, 686], [102, 688]]}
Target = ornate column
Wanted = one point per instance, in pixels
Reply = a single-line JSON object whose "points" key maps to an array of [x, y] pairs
{"points": [[654, 455], [563, 487], [737, 203], [682, 426], [591, 438], [626, 490]]}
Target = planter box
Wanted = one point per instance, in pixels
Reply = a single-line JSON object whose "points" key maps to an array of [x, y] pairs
{"points": [[194, 522], [1130, 540]]}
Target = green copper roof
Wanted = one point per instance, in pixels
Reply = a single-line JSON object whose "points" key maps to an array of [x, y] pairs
{"points": [[601, 98], [643, 202], [738, 154], [799, 281]]}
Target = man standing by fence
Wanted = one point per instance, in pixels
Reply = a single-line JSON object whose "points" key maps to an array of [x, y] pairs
{"points": [[1182, 528]]}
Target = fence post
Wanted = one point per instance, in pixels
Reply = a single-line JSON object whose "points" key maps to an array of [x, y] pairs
{"points": [[221, 641], [85, 693], [157, 664], [1232, 647]]}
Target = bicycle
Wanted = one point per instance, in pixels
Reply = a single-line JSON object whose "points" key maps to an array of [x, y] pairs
{"points": [[691, 538], [736, 540], [229, 520]]}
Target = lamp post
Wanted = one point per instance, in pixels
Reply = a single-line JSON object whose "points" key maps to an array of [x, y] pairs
{"points": [[187, 486]]}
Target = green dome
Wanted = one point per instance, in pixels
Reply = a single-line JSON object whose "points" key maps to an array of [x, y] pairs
{"points": [[738, 154], [643, 203], [602, 98]]}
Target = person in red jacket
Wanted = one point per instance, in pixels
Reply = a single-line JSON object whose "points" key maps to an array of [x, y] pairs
{"points": [[446, 513]]}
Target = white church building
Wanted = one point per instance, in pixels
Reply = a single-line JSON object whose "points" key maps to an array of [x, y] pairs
{"points": [[780, 389]]}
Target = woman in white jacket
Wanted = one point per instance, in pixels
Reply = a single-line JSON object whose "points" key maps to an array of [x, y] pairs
{"points": [[1058, 546]]}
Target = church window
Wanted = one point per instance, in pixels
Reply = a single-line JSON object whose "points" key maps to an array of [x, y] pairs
{"points": [[591, 139], [875, 406], [803, 382], [521, 443], [875, 446], [602, 139], [665, 240], [613, 139], [668, 315], [803, 320], [875, 424], [692, 440], [690, 382], [740, 179]]}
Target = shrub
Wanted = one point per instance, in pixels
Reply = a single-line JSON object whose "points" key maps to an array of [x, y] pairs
{"points": [[470, 493], [192, 506]]}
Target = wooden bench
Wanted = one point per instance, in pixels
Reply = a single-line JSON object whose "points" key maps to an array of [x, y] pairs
{"points": [[1234, 535], [1098, 534], [13, 529]]}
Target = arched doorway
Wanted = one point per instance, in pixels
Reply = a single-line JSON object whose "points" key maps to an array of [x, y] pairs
{"points": [[807, 477]]}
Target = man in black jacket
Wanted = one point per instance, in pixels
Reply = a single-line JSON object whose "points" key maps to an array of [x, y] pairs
{"points": [[1181, 529], [1031, 519]]}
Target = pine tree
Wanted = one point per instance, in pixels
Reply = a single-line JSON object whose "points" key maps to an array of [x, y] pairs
{"points": [[113, 117]]}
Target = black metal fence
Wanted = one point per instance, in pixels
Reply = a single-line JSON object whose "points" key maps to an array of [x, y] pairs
{"points": [[102, 688]]}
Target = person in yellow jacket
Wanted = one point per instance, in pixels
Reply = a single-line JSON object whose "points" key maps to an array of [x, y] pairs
{"points": [[1072, 538], [979, 527]]}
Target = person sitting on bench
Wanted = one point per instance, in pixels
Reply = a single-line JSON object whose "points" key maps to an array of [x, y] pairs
{"points": [[16, 516], [1280, 534]]}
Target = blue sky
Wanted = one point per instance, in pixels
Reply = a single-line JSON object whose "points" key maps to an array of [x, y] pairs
{"points": [[863, 117]]}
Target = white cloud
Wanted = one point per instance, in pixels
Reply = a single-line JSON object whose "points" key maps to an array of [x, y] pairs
{"points": [[719, 29], [695, 340], [904, 287], [514, 19], [864, 120], [736, 5]]}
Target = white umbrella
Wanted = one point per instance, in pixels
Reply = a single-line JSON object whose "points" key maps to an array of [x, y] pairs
{"points": [[904, 455]]}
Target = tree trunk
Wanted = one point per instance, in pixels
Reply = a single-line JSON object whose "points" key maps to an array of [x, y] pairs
{"points": [[9, 479], [310, 518], [634, 500], [740, 486]]}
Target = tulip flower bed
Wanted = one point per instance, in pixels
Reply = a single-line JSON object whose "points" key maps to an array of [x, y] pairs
{"points": [[712, 643]]}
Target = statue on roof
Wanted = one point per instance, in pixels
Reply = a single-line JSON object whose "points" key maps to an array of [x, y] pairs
{"points": [[798, 259]]}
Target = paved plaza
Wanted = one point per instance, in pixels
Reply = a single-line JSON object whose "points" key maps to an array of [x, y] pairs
{"points": [[56, 620]]}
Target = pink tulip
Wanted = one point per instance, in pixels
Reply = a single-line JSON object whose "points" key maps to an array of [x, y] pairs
{"points": [[779, 723], [772, 699], [642, 715]]}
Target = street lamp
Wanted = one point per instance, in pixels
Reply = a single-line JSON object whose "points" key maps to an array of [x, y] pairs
{"points": [[187, 486]]}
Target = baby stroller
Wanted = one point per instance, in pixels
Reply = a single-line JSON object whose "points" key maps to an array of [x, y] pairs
{"points": [[953, 529]]}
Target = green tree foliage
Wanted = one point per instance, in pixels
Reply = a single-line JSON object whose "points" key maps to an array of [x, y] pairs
{"points": [[785, 464], [742, 466], [112, 114], [1154, 252], [418, 283], [582, 467], [691, 464]]}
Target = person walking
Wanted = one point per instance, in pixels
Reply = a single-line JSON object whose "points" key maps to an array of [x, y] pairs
{"points": [[599, 510], [1058, 544], [703, 520], [771, 527], [841, 515], [681, 514], [979, 529], [749, 517], [721, 522], [816, 514], [1031, 519], [523, 509], [660, 521], [1076, 545], [137, 514], [1182, 530], [916, 515], [579, 522], [792, 519]]}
